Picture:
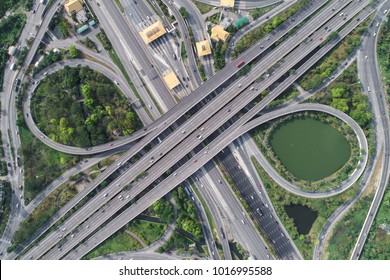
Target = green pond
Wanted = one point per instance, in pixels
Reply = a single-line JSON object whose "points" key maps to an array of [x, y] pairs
{"points": [[310, 149]]}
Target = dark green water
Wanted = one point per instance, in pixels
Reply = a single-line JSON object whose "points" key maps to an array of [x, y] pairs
{"points": [[303, 217], [310, 149]]}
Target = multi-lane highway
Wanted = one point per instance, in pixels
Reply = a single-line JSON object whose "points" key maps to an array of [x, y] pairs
{"points": [[189, 127], [370, 78], [164, 187], [204, 124]]}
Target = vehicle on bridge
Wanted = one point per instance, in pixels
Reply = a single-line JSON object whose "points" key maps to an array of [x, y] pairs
{"points": [[240, 63]]}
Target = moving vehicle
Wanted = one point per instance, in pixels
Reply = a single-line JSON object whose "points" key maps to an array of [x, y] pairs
{"points": [[240, 63]]}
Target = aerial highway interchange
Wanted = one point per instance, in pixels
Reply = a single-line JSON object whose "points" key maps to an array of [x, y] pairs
{"points": [[195, 129]]}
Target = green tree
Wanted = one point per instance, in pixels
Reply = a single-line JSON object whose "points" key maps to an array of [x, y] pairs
{"points": [[73, 52], [340, 104], [276, 22], [338, 92], [184, 13]]}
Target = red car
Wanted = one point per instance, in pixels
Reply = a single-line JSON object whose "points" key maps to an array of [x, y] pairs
{"points": [[320, 38], [110, 145], [195, 161], [240, 63]]}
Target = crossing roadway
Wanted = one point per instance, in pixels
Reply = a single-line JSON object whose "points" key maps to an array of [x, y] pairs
{"points": [[336, 25]]}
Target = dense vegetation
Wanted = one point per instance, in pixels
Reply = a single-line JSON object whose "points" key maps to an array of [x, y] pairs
{"points": [[324, 208], [89, 44], [334, 59], [148, 232], [80, 107], [253, 36], [102, 37], [10, 29], [10, 5], [177, 242], [214, 18], [258, 12], [119, 242], [347, 230], [383, 48], [162, 209], [41, 163], [43, 212], [287, 95], [5, 204], [377, 246], [219, 50], [63, 25], [188, 218], [47, 60], [345, 94]]}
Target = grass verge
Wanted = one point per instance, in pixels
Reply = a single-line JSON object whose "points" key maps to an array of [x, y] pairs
{"points": [[119, 242], [43, 212], [203, 8], [148, 232]]}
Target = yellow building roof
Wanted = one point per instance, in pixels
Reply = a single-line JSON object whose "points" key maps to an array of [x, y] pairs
{"points": [[73, 6], [152, 32], [217, 33], [226, 3], [171, 80], [203, 48]]}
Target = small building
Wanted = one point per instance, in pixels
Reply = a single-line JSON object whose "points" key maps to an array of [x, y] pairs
{"points": [[82, 29], [12, 50], [171, 80], [81, 16], [73, 6], [225, 23], [242, 21], [218, 33], [226, 3], [151, 33], [92, 23], [385, 227], [203, 48], [39, 61]]}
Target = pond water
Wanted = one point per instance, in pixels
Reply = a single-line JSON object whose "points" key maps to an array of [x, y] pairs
{"points": [[310, 149]]}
